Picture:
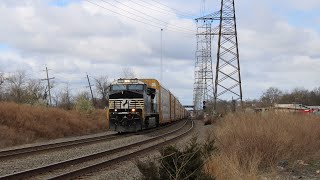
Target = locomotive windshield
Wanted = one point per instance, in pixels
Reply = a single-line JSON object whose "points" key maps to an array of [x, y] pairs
{"points": [[130, 87], [135, 87], [118, 87]]}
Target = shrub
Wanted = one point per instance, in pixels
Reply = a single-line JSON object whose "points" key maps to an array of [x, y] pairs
{"points": [[187, 163], [40, 103], [149, 170], [84, 105]]}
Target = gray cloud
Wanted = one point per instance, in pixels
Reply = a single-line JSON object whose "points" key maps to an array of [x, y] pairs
{"points": [[82, 38]]}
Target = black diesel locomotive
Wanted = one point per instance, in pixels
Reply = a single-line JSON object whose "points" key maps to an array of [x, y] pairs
{"points": [[136, 104]]}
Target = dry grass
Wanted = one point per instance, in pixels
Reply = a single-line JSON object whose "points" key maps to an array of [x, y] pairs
{"points": [[20, 124], [253, 144]]}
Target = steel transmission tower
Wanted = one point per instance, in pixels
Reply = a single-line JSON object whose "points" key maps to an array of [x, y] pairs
{"points": [[227, 84], [228, 77], [203, 84]]}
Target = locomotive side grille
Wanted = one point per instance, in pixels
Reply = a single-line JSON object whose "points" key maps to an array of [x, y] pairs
{"points": [[126, 103], [138, 104], [115, 104]]}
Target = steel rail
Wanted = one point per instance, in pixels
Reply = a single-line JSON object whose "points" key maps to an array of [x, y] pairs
{"points": [[39, 148], [95, 167], [70, 143], [37, 171]]}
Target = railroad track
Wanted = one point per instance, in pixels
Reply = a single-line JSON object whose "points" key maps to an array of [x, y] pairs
{"points": [[13, 153], [103, 163], [53, 146]]}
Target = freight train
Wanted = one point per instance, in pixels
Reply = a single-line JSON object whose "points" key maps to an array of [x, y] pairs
{"points": [[137, 104]]}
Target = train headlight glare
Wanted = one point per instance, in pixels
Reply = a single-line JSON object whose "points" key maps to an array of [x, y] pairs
{"points": [[115, 110], [133, 110]]}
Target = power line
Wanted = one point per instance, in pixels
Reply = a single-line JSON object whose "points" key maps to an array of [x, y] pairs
{"points": [[163, 22], [127, 11], [151, 16], [177, 10], [154, 9], [159, 9], [121, 14], [156, 26]]}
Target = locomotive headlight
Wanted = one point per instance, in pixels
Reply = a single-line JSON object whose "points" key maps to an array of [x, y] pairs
{"points": [[115, 110], [133, 110]]}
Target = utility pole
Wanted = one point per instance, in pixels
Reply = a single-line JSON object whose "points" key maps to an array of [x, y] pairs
{"points": [[90, 88], [161, 61], [48, 80]]}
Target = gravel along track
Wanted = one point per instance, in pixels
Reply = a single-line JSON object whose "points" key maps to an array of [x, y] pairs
{"points": [[36, 149], [17, 165], [128, 170], [139, 148]]}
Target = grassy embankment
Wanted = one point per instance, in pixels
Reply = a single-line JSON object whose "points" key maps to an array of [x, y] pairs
{"points": [[21, 124], [251, 146]]}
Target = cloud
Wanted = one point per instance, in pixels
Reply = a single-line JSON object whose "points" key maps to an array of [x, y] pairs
{"points": [[302, 6], [75, 37]]}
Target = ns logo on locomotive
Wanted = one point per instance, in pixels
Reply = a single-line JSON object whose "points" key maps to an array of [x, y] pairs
{"points": [[137, 104]]}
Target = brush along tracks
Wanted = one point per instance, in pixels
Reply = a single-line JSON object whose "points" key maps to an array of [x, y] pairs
{"points": [[13, 153], [93, 162]]}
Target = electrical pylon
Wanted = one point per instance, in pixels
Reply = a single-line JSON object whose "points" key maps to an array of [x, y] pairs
{"points": [[203, 84], [227, 76]]}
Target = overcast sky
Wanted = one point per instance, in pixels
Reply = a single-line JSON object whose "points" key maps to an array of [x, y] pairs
{"points": [[279, 41]]}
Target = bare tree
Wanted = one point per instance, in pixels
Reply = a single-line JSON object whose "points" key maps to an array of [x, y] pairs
{"points": [[271, 96], [1, 78], [64, 98], [301, 95], [315, 96], [17, 86], [55, 98], [34, 90], [20, 89], [128, 73], [2, 89], [102, 86]]}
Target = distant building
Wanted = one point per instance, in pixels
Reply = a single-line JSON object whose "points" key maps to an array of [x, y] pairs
{"points": [[295, 108]]}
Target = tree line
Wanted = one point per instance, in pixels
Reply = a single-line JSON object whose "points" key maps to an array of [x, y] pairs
{"points": [[268, 98], [274, 95], [18, 87]]}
